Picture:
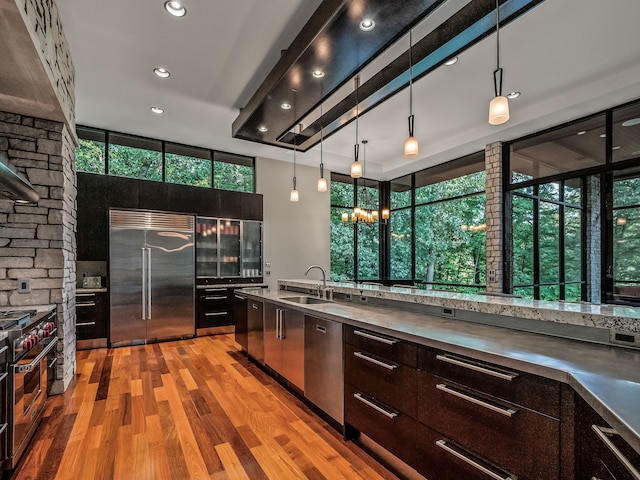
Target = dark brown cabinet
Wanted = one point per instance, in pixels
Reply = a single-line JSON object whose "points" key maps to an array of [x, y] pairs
{"points": [[240, 317], [602, 453], [214, 309], [92, 319], [380, 390], [488, 417]]}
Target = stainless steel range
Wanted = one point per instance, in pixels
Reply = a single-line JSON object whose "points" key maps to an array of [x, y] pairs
{"points": [[30, 354]]}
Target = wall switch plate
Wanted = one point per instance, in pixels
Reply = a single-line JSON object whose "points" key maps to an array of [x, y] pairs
{"points": [[24, 286]]}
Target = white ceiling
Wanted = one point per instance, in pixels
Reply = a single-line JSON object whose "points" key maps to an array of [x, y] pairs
{"points": [[568, 58]]}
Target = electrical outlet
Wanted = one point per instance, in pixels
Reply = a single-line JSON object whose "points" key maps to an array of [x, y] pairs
{"points": [[24, 286]]}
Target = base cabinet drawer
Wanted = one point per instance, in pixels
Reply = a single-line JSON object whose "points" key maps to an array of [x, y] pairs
{"points": [[384, 346], [91, 315], [603, 454], [439, 458], [386, 380], [531, 391], [514, 438], [214, 308], [386, 426]]}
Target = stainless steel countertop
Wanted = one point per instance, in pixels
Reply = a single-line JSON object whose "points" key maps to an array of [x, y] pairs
{"points": [[607, 377]]}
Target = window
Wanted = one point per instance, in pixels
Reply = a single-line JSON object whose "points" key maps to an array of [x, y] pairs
{"points": [[90, 154], [437, 226], [187, 165], [547, 230], [135, 157], [233, 172], [355, 247], [118, 154], [577, 146]]}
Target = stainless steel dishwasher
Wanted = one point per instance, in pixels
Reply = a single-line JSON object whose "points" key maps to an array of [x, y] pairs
{"points": [[255, 330], [323, 371]]}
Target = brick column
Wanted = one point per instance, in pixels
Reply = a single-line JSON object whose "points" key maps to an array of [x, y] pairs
{"points": [[37, 241], [593, 243], [494, 209]]}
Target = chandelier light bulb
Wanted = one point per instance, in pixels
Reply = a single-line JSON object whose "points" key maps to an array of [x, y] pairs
{"points": [[499, 110], [411, 149], [356, 169]]}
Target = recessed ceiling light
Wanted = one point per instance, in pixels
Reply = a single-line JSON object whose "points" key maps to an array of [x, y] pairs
{"points": [[451, 61], [175, 8], [513, 95], [367, 24], [582, 132], [631, 122], [285, 106], [318, 73], [157, 110], [162, 72], [603, 135], [262, 128], [617, 147]]}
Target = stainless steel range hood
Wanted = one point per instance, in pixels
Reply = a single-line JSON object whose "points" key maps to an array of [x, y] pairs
{"points": [[13, 185]]}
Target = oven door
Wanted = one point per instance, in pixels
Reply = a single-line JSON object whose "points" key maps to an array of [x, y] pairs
{"points": [[29, 388]]}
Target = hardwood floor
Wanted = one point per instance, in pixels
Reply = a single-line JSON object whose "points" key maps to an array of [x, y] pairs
{"points": [[192, 409]]}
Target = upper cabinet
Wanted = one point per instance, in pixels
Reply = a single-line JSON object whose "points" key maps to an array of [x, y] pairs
{"points": [[227, 248]]}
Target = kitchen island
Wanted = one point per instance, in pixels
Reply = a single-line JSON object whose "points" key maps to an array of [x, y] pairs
{"points": [[523, 335]]}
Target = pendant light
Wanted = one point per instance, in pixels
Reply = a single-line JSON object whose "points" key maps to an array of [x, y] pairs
{"points": [[322, 182], [499, 106], [356, 168], [411, 149], [293, 197]]}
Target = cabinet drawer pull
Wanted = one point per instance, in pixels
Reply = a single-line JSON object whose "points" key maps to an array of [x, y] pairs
{"points": [[603, 434], [215, 290], [3, 349], [321, 328], [477, 368], [386, 341], [240, 298], [375, 407], [85, 294], [443, 444], [388, 366], [85, 324], [214, 314], [90, 304], [215, 297], [254, 306], [503, 411]]}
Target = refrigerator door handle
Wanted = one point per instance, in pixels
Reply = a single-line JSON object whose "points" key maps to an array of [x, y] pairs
{"points": [[144, 285], [149, 284]]}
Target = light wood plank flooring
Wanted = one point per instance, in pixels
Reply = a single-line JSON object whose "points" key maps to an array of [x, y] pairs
{"points": [[193, 409]]}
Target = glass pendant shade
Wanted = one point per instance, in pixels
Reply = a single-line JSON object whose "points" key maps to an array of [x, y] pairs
{"points": [[498, 110], [411, 149], [356, 169], [293, 197], [322, 184]]}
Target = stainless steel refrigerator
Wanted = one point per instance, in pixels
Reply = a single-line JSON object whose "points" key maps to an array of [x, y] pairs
{"points": [[151, 276]]}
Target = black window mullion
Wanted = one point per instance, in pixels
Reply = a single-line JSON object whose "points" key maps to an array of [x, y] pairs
{"points": [[536, 244], [106, 152], [413, 226], [561, 243], [164, 161]]}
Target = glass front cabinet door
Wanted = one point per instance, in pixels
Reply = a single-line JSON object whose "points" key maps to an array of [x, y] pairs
{"points": [[227, 248]]}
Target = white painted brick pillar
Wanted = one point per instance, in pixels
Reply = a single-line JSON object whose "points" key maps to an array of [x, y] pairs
{"points": [[494, 210]]}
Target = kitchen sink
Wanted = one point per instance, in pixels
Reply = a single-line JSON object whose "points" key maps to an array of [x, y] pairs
{"points": [[307, 300]]}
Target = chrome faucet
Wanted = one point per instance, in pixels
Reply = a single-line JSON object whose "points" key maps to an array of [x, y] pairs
{"points": [[324, 292]]}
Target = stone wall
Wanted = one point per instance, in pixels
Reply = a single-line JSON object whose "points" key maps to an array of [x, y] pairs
{"points": [[43, 22], [37, 241], [494, 209], [594, 240]]}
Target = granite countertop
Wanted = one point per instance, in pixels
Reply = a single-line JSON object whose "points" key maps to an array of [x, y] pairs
{"points": [[607, 377], [624, 318]]}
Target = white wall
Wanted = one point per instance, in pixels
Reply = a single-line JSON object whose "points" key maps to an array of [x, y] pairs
{"points": [[296, 235]]}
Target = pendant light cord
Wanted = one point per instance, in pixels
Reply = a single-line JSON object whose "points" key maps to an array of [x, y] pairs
{"points": [[410, 73], [497, 73]]}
